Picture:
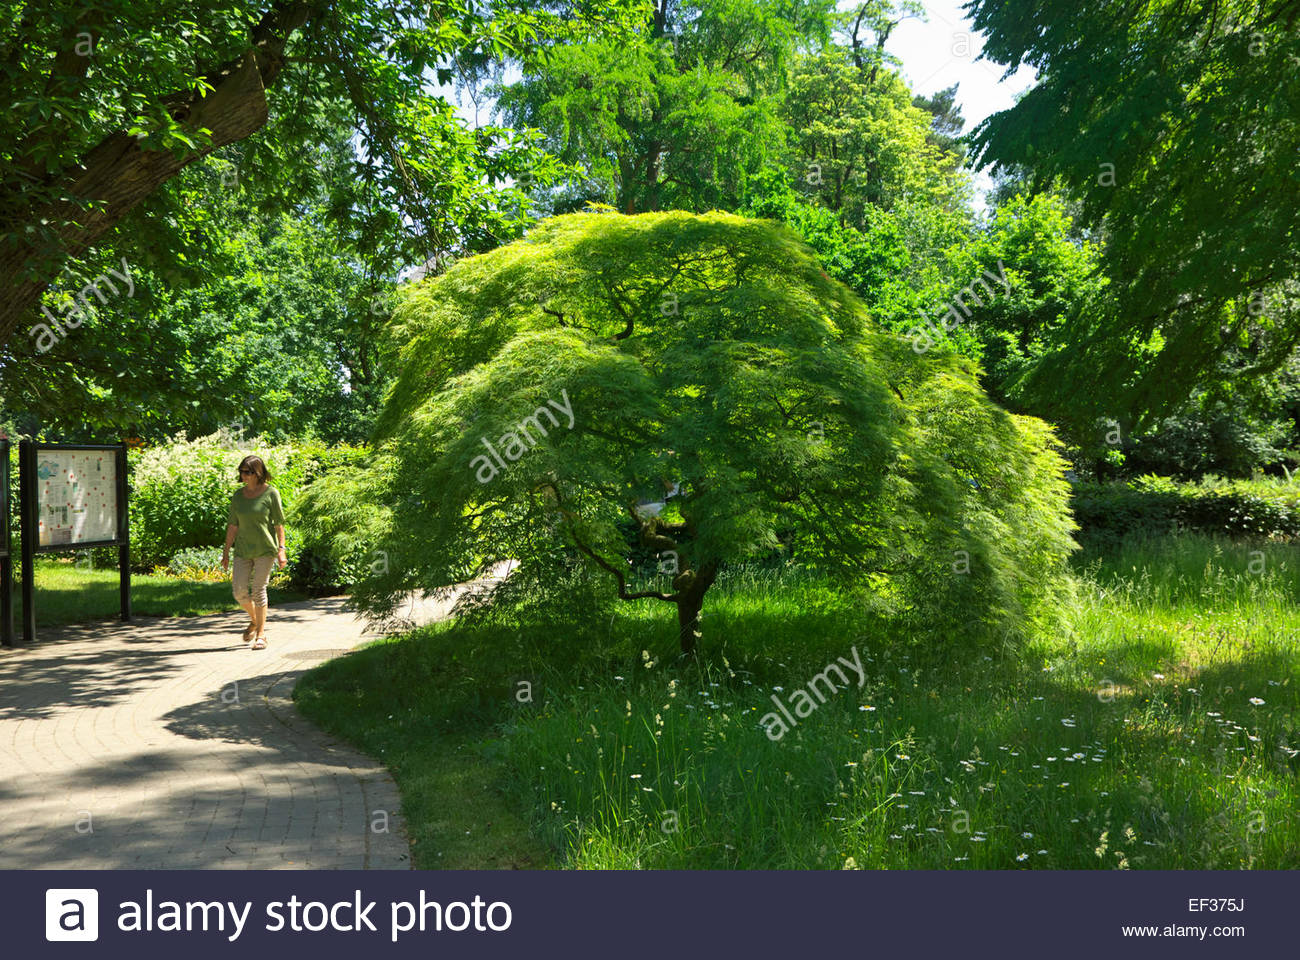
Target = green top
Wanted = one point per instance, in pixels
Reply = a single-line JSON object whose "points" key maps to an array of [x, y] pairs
{"points": [[257, 517]]}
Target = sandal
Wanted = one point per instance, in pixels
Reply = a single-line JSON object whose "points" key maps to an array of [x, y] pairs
{"points": [[249, 631], [259, 643]]}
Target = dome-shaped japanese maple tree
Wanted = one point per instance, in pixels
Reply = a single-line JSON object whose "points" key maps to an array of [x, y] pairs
{"points": [[701, 381]]}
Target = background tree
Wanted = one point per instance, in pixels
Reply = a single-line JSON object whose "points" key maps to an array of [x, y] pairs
{"points": [[857, 139], [674, 116], [1174, 124], [947, 124], [1053, 278], [280, 334]]}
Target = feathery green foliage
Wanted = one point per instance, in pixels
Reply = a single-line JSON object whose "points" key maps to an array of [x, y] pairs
{"points": [[708, 365]]}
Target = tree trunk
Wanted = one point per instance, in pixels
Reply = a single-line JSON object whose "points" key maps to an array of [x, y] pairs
{"points": [[117, 174], [690, 601], [688, 621]]}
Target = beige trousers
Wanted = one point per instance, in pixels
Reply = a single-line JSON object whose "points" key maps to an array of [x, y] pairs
{"points": [[258, 570]]}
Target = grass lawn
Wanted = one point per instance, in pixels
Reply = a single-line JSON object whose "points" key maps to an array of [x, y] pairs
{"points": [[1159, 731], [67, 594]]}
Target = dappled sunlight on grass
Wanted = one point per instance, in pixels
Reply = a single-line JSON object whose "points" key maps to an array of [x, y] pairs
{"points": [[1158, 731]]}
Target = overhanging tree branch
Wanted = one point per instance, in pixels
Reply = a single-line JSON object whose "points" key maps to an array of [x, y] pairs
{"points": [[117, 174]]}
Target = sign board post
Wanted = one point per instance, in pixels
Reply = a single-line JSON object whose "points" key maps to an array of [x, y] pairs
{"points": [[124, 536], [72, 497], [6, 561]]}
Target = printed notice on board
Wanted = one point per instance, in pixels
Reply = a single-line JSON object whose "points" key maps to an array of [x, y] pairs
{"points": [[76, 496]]}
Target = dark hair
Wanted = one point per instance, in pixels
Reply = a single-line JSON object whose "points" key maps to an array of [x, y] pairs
{"points": [[257, 466]]}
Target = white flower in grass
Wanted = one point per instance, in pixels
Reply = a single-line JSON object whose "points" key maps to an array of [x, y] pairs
{"points": [[1022, 856], [1256, 701], [635, 776], [868, 709], [1158, 676], [1041, 852], [1027, 836]]}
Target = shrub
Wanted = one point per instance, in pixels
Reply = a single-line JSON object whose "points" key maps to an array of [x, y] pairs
{"points": [[1240, 508], [180, 491], [197, 563], [337, 549]]}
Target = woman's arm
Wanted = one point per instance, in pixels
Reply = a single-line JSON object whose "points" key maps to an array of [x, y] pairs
{"points": [[231, 530], [281, 557]]}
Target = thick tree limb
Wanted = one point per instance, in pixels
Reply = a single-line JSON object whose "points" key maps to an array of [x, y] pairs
{"points": [[117, 174], [622, 580]]}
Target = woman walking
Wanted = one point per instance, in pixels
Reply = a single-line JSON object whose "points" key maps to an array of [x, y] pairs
{"points": [[255, 528]]}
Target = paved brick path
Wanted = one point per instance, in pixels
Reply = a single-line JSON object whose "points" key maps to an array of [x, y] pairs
{"points": [[169, 744]]}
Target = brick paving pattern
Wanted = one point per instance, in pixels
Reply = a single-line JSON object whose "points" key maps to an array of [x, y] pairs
{"points": [[168, 744]]}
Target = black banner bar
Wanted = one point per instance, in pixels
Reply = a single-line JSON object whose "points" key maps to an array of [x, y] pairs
{"points": [[714, 915]]}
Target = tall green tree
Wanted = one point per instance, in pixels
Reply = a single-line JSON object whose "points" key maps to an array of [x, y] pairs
{"points": [[1052, 279], [947, 124], [858, 140], [676, 115], [279, 333], [1175, 125], [898, 261]]}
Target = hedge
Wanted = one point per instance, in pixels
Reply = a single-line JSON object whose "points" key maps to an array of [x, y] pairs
{"points": [[1238, 508]]}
